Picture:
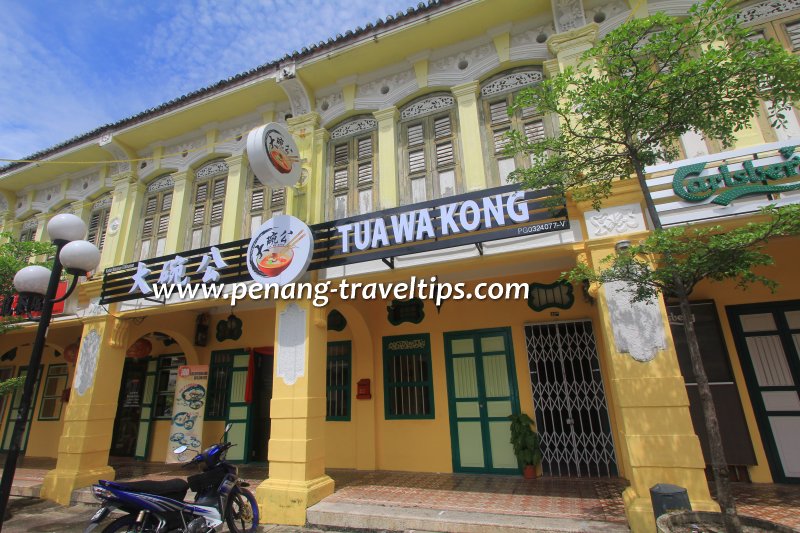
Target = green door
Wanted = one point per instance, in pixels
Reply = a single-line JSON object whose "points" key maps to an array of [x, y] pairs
{"points": [[482, 393], [13, 412]]}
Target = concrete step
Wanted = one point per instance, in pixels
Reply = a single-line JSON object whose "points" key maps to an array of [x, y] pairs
{"points": [[383, 518]]}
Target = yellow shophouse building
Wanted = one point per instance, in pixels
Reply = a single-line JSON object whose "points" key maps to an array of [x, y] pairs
{"points": [[406, 115]]}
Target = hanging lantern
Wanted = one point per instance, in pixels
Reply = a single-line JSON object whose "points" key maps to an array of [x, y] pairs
{"points": [[140, 348], [71, 352]]}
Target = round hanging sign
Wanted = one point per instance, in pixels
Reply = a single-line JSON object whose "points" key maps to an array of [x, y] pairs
{"points": [[140, 348], [273, 155], [280, 250]]}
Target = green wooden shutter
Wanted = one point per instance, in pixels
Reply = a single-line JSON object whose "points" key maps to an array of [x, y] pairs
{"points": [[239, 410], [14, 411], [143, 437]]}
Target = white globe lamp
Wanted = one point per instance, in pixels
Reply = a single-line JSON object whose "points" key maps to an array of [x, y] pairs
{"points": [[65, 228]]}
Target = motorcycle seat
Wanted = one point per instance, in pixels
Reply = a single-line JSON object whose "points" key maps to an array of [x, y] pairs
{"points": [[170, 488]]}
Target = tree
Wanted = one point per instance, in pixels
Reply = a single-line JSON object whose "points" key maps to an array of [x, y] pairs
{"points": [[635, 93], [14, 255]]}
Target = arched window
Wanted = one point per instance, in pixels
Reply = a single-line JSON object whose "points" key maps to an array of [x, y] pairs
{"points": [[497, 96], [265, 203], [351, 167], [430, 166], [209, 204], [28, 231], [98, 220], [155, 217]]}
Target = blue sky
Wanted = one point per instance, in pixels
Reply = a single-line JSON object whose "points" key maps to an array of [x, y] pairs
{"points": [[68, 67]]}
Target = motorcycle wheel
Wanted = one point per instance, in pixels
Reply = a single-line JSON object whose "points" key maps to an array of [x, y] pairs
{"points": [[242, 512], [121, 524]]}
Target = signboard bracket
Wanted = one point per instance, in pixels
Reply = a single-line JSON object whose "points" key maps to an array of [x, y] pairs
{"points": [[479, 246], [388, 261]]}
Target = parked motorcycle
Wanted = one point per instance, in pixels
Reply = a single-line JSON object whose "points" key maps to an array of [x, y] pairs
{"points": [[158, 506]]}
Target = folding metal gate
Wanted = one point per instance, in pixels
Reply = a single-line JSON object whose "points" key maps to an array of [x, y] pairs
{"points": [[569, 400]]}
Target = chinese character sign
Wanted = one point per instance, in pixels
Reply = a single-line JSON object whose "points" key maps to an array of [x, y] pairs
{"points": [[188, 408]]}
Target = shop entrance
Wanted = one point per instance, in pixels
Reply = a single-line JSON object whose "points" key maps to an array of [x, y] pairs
{"points": [[129, 408], [482, 393], [768, 341], [569, 399], [262, 395]]}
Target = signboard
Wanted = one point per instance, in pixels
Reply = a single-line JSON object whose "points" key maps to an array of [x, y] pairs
{"points": [[188, 410], [725, 184], [280, 250], [273, 155], [467, 219]]}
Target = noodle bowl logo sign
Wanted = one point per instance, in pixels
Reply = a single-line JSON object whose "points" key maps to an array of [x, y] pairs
{"points": [[280, 250], [273, 155]]}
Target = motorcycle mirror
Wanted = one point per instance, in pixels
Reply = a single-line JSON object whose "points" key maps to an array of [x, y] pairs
{"points": [[180, 449], [228, 427]]}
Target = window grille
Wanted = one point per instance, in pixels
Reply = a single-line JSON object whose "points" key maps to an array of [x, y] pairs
{"points": [[338, 379]]}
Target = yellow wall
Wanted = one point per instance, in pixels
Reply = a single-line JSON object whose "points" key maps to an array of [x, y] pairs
{"points": [[787, 256], [44, 435], [400, 443]]}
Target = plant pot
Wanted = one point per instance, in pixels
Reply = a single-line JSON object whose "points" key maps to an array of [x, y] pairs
{"points": [[529, 472], [674, 521]]}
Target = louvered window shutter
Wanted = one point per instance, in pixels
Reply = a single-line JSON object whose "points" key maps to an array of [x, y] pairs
{"points": [[102, 229], [498, 112], [340, 155], [219, 189], [534, 131], [278, 198], [199, 215], [340, 179], [444, 150], [202, 193], [793, 31], [257, 200], [500, 140], [94, 223], [216, 212], [152, 205], [147, 228]]}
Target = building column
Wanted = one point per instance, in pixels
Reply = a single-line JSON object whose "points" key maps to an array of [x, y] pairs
{"points": [[474, 168], [299, 202], [235, 203], [297, 478], [655, 440], [387, 157], [89, 416], [124, 220], [182, 204]]}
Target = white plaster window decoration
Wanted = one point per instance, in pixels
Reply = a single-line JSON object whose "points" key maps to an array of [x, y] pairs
{"points": [[160, 184], [568, 15], [614, 220], [427, 106], [511, 82], [87, 362], [768, 10], [212, 168], [353, 127], [291, 356], [638, 327]]}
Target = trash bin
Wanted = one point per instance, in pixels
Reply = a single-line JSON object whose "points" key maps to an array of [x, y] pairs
{"points": [[668, 497]]}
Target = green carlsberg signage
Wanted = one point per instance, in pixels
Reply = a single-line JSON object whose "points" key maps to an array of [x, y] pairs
{"points": [[689, 185]]}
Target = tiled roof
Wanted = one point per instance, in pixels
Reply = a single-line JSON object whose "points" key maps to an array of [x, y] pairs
{"points": [[306, 52]]}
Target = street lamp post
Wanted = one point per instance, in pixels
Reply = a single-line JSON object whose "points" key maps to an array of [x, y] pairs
{"points": [[77, 257]]}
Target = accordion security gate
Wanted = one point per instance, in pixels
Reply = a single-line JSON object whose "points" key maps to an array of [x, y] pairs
{"points": [[569, 400]]}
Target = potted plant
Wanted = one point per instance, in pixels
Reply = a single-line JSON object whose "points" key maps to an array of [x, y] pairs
{"points": [[526, 444]]}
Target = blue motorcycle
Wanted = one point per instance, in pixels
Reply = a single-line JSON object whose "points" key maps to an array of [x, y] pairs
{"points": [[158, 506]]}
